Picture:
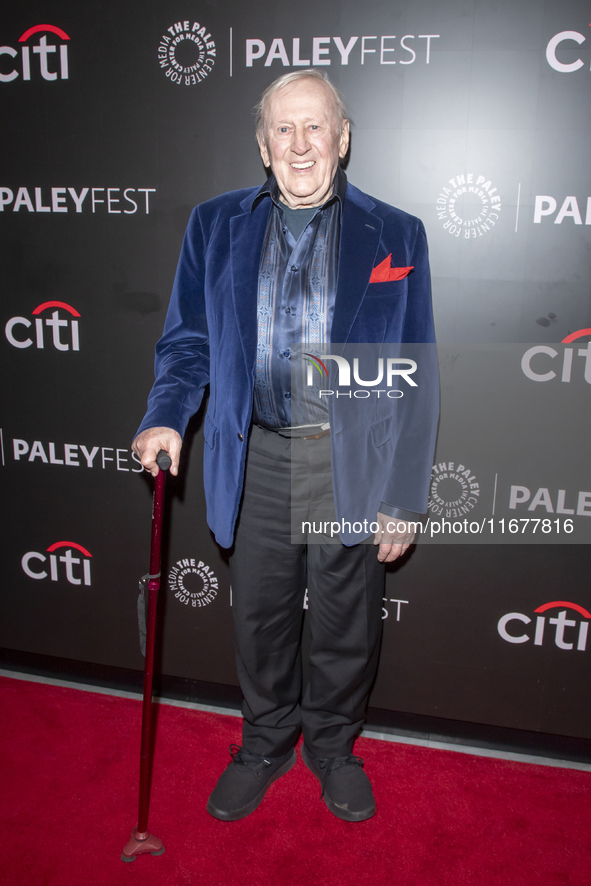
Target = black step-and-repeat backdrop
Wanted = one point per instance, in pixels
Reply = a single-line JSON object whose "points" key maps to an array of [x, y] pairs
{"points": [[118, 118]]}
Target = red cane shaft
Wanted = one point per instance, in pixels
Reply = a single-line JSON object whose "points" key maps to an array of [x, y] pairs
{"points": [[153, 588], [157, 508]]}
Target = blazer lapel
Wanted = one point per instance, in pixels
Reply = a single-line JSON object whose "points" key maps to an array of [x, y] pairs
{"points": [[360, 237], [247, 232]]}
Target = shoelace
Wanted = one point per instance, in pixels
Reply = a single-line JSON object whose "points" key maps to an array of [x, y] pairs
{"points": [[331, 763], [244, 757]]}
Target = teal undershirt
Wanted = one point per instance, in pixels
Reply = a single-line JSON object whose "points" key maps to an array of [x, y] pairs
{"points": [[297, 219]]}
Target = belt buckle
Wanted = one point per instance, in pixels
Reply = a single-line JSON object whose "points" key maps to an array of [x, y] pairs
{"points": [[317, 436]]}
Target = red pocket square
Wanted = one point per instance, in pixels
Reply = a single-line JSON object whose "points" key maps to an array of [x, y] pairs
{"points": [[383, 272]]}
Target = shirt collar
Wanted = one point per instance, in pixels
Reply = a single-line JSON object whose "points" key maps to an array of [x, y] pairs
{"points": [[271, 189]]}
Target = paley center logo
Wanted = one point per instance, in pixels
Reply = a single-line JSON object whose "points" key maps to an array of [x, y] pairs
{"points": [[569, 633], [395, 368], [186, 53], [52, 58], [64, 335], [560, 41], [193, 583], [67, 559], [454, 491], [468, 205]]}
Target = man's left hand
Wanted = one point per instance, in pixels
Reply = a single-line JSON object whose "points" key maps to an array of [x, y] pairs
{"points": [[393, 537]]}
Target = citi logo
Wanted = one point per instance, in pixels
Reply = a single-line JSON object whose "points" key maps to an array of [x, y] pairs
{"points": [[52, 62], [64, 335], [553, 46], [76, 568], [569, 633], [568, 368]]}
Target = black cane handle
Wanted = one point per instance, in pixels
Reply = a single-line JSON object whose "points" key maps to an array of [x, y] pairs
{"points": [[163, 460]]}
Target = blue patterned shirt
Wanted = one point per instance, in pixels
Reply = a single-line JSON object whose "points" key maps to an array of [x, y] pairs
{"points": [[296, 296]]}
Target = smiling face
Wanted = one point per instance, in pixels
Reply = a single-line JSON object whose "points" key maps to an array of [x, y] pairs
{"points": [[303, 142]]}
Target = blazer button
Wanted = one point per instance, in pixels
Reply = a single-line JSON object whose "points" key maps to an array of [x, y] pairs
{"points": [[240, 437]]}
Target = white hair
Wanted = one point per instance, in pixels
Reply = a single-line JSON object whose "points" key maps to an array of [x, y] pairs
{"points": [[261, 109]]}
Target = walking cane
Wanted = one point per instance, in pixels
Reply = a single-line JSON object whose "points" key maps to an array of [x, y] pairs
{"points": [[141, 839]]}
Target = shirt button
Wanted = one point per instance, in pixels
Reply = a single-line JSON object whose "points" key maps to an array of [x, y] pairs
{"points": [[293, 268], [287, 353], [287, 395], [240, 437], [288, 310]]}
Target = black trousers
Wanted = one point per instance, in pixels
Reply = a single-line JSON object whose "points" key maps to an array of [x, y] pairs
{"points": [[269, 574]]}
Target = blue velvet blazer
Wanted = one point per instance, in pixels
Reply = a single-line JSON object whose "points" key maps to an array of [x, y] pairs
{"points": [[210, 336]]}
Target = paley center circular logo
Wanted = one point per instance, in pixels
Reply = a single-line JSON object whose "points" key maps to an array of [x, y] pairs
{"points": [[468, 206], [193, 582], [454, 490], [186, 53]]}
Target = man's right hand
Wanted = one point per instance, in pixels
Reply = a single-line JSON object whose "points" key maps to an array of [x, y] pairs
{"points": [[148, 444]]}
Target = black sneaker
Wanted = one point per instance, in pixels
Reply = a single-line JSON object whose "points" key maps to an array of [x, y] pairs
{"points": [[242, 786], [346, 789]]}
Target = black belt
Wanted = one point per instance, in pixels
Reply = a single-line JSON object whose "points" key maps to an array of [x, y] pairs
{"points": [[291, 436]]}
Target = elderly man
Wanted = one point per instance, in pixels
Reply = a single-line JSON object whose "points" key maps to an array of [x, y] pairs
{"points": [[306, 258]]}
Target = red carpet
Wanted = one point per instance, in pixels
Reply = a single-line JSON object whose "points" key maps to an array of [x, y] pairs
{"points": [[70, 793]]}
